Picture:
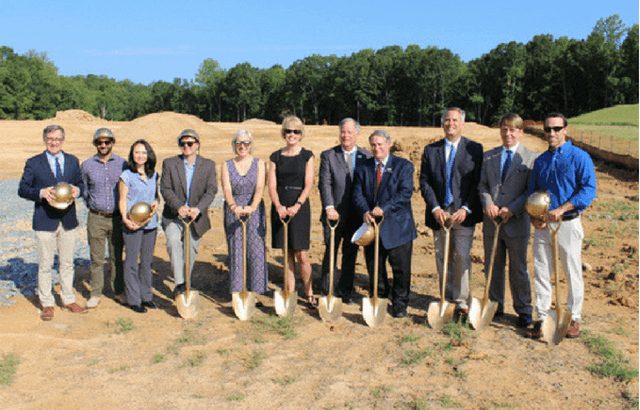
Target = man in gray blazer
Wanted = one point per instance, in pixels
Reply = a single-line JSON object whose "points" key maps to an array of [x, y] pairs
{"points": [[188, 186], [503, 193], [337, 168]]}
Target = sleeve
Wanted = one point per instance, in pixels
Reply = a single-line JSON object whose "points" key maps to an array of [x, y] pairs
{"points": [[324, 181], [426, 179], [586, 189], [167, 188], [211, 189], [27, 188], [483, 189], [404, 191]]}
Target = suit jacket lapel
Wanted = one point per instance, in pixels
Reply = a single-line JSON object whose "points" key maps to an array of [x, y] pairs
{"points": [[183, 176], [515, 162]]}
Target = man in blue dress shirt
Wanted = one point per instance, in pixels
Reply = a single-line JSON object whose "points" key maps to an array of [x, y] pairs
{"points": [[567, 173]]}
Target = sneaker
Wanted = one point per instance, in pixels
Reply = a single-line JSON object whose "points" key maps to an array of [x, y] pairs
{"points": [[536, 332], [93, 302], [574, 330]]}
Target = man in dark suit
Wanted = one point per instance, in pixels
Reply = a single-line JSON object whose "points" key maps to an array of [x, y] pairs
{"points": [[337, 167], [188, 186], [383, 186], [449, 178], [503, 192], [55, 228]]}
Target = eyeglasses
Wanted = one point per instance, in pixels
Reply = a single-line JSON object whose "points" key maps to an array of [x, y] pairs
{"points": [[187, 143], [245, 143], [556, 129], [54, 140], [103, 142], [288, 131]]}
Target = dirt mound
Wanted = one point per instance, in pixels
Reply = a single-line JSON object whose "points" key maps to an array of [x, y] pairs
{"points": [[74, 115], [252, 122]]}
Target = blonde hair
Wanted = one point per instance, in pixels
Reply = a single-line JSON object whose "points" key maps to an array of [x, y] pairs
{"points": [[292, 122]]}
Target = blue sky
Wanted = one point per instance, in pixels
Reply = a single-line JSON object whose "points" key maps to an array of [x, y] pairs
{"points": [[147, 41]]}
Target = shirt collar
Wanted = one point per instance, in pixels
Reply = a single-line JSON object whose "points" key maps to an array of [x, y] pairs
{"points": [[353, 150], [384, 162], [512, 149]]}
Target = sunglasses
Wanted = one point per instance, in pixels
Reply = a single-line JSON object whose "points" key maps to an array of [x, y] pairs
{"points": [[103, 142], [245, 143], [288, 131], [187, 143], [556, 129]]}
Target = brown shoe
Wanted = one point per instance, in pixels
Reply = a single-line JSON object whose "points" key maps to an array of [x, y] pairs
{"points": [[574, 330], [461, 315], [535, 332], [74, 308], [47, 313]]}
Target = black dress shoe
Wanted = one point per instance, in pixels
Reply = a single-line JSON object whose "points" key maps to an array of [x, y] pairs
{"points": [[398, 311], [179, 290], [500, 311], [524, 321], [150, 304], [138, 308], [347, 300]]}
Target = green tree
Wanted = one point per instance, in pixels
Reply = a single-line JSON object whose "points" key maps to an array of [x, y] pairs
{"points": [[211, 76]]}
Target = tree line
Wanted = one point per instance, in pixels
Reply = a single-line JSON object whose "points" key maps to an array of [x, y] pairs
{"points": [[389, 86]]}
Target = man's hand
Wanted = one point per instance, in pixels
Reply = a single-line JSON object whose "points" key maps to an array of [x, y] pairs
{"points": [[440, 215], [538, 223], [75, 191], [332, 214], [184, 211], [193, 213], [47, 195], [505, 214], [492, 211], [555, 215], [459, 216]]}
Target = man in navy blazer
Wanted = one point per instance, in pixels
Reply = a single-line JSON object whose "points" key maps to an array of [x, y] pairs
{"points": [[383, 186], [55, 228], [337, 169], [449, 178]]}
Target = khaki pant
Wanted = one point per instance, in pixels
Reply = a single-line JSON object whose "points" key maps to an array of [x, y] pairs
{"points": [[103, 231], [63, 241]]}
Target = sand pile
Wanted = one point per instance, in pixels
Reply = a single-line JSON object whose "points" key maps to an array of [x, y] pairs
{"points": [[74, 115]]}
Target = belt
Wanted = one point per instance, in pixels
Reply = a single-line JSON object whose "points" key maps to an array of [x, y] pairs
{"points": [[293, 188], [105, 214], [570, 217]]}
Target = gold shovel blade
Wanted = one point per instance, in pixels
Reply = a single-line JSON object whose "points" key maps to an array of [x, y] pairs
{"points": [[244, 304], [481, 313], [330, 308], [439, 314], [285, 302], [555, 326], [188, 304], [374, 311]]}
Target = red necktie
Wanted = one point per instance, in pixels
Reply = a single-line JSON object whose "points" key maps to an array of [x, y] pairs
{"points": [[378, 176]]}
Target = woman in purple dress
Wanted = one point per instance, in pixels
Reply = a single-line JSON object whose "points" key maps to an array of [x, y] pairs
{"points": [[243, 179]]}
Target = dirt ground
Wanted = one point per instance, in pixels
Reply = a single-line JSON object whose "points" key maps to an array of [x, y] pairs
{"points": [[113, 358]]}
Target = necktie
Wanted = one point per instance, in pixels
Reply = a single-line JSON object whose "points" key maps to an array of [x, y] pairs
{"points": [[507, 162], [378, 176], [58, 170], [448, 198], [349, 163]]}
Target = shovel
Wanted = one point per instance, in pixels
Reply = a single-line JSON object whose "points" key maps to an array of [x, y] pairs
{"points": [[555, 324], [330, 307], [244, 303], [441, 313], [374, 310], [188, 303], [482, 311], [285, 300]]}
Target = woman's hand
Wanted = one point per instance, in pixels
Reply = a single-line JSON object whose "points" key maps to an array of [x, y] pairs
{"points": [[283, 212], [293, 210]]}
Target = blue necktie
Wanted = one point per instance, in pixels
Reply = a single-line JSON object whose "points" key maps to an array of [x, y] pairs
{"points": [[507, 162], [58, 170], [448, 196]]}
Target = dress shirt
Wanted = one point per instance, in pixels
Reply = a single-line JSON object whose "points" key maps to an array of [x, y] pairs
{"points": [[503, 156], [52, 162], [447, 150], [101, 182], [568, 174], [188, 170]]}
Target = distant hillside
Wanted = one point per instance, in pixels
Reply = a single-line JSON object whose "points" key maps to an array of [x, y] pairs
{"points": [[621, 121]]}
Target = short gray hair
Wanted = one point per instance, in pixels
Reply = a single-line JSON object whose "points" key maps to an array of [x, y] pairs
{"points": [[444, 114], [380, 133], [348, 119], [51, 128], [235, 138]]}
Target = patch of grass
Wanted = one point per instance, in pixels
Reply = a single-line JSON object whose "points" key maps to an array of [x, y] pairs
{"points": [[255, 359], [223, 352], [614, 363], [235, 397], [446, 401], [119, 369], [284, 326], [412, 357], [158, 359], [8, 367], [409, 339], [196, 359], [618, 331], [420, 404], [122, 325], [460, 374], [93, 363], [632, 400], [287, 380], [381, 391], [457, 332]]}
